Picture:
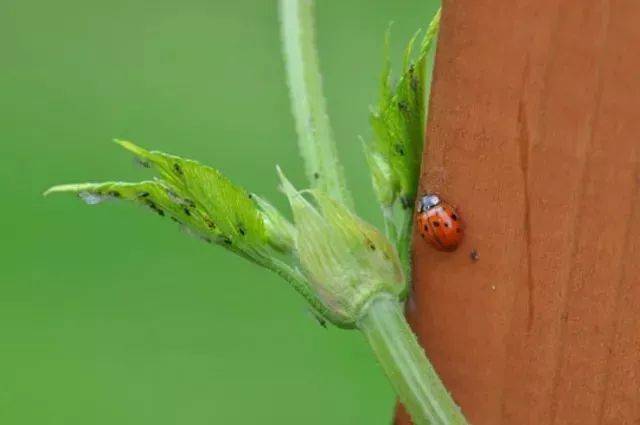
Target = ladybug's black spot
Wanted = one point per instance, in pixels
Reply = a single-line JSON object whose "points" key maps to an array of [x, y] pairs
{"points": [[369, 243], [322, 322], [446, 224], [436, 224], [178, 168], [454, 217], [426, 228]]}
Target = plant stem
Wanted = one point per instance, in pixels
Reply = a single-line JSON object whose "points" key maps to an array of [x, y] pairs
{"points": [[316, 143], [403, 244], [406, 365], [390, 230], [297, 280]]}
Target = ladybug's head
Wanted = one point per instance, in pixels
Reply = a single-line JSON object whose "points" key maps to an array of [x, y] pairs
{"points": [[429, 201]]}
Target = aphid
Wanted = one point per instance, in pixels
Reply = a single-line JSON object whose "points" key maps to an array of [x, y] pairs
{"points": [[439, 223], [370, 244], [142, 162], [405, 202], [321, 320], [155, 208], [414, 83], [178, 168]]}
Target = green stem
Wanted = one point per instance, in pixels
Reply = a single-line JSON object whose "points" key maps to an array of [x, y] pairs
{"points": [[390, 230], [297, 280], [316, 143], [406, 365], [403, 243]]}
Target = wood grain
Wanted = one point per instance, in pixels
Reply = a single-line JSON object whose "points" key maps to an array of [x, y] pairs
{"points": [[534, 132]]}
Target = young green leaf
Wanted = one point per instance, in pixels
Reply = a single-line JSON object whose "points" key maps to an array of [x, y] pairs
{"points": [[227, 205], [395, 153], [210, 206], [155, 195], [199, 198]]}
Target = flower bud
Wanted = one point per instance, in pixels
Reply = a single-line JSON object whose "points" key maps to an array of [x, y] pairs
{"points": [[346, 260]]}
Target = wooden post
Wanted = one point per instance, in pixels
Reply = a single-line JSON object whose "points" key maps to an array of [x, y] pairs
{"points": [[534, 133]]}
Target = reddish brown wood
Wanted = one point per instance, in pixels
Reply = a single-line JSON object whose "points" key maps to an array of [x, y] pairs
{"points": [[534, 132]]}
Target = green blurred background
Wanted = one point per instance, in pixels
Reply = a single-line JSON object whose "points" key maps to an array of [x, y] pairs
{"points": [[109, 315]]}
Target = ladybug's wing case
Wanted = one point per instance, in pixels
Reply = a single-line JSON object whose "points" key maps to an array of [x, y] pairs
{"points": [[429, 226], [441, 226], [447, 228], [439, 223], [425, 227], [422, 221]]}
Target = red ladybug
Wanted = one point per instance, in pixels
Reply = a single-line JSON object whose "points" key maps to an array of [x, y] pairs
{"points": [[439, 223]]}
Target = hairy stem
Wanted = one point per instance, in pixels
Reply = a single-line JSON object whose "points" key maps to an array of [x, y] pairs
{"points": [[315, 140], [297, 280], [403, 244], [416, 382], [390, 230]]}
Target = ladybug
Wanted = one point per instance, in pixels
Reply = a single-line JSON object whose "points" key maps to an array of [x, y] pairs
{"points": [[439, 223]]}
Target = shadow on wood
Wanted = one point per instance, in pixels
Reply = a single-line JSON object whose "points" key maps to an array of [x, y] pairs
{"points": [[534, 133]]}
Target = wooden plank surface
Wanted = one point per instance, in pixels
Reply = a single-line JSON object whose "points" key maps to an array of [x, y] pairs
{"points": [[534, 132]]}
